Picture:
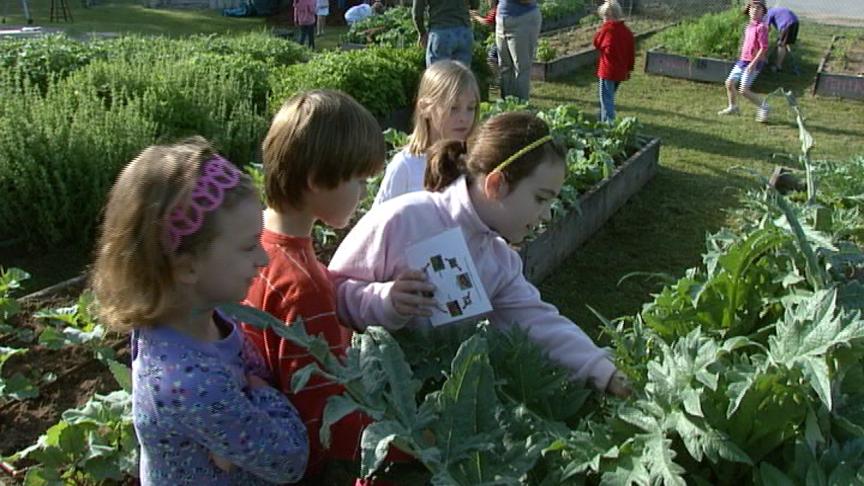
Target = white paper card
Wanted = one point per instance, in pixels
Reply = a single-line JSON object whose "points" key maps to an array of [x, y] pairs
{"points": [[448, 265]]}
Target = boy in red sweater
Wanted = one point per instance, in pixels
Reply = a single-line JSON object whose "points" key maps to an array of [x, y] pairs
{"points": [[321, 147], [614, 41]]}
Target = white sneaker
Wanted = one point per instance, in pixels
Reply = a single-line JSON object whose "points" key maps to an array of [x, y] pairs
{"points": [[729, 110], [762, 113]]}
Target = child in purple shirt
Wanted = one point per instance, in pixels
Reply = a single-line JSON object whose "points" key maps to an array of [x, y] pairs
{"points": [[786, 23], [750, 63], [181, 235]]}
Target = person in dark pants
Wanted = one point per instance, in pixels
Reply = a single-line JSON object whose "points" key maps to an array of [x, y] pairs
{"points": [[786, 23], [305, 18]]}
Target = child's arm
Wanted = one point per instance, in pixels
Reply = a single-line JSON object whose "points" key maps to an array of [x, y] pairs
{"points": [[258, 431], [370, 288], [518, 302]]}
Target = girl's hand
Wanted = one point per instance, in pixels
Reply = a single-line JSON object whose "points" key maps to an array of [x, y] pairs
{"points": [[221, 463], [619, 385], [411, 294]]}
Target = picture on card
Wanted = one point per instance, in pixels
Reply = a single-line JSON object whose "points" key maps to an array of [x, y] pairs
{"points": [[447, 263]]}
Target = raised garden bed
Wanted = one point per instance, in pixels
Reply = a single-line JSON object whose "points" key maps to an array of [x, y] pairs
{"points": [[841, 71], [561, 22], [693, 68], [574, 48], [545, 254]]}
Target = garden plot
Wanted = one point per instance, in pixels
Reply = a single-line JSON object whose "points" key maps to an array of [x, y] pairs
{"points": [[841, 72], [565, 51], [703, 49], [55, 356]]}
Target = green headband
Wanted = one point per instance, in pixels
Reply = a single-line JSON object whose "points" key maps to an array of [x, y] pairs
{"points": [[531, 146]]}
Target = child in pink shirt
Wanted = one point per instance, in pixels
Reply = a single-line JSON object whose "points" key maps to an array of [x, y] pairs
{"points": [[305, 18], [754, 49], [495, 194]]}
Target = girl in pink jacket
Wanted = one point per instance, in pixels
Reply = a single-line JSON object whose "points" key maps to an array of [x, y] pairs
{"points": [[496, 194]]}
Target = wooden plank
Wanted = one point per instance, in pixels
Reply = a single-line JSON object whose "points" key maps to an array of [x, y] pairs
{"points": [[564, 65], [838, 85], [545, 254], [693, 68]]}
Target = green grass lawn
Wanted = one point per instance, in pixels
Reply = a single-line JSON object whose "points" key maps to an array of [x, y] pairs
{"points": [[662, 229], [131, 16]]}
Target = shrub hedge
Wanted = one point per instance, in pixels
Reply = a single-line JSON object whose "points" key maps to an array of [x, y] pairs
{"points": [[77, 112]]}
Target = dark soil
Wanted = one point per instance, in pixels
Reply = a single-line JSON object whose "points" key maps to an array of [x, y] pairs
{"points": [[78, 376], [580, 38]]}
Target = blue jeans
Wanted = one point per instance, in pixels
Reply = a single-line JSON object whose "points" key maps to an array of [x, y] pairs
{"points": [[450, 43], [607, 99]]}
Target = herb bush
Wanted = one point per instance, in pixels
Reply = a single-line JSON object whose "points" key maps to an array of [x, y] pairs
{"points": [[50, 57], [56, 56], [556, 9], [57, 172], [59, 155], [381, 78], [712, 35]]}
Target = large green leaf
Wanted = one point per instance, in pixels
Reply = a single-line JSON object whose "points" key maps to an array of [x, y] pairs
{"points": [[466, 404]]}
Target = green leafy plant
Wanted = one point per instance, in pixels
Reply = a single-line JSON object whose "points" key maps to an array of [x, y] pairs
{"points": [[74, 325], [712, 35], [91, 444], [17, 386], [476, 416], [10, 281], [557, 9], [545, 51]]}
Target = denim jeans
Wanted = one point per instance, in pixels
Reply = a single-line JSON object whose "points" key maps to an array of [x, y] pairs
{"points": [[307, 32], [453, 43], [607, 99], [516, 38]]}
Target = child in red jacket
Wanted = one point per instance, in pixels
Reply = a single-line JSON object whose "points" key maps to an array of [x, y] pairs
{"points": [[614, 41]]}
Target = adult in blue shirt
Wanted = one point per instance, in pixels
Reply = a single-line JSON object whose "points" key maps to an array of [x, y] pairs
{"points": [[786, 23], [517, 27]]}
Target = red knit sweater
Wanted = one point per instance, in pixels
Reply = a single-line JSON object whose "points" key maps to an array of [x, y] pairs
{"points": [[616, 46], [296, 285]]}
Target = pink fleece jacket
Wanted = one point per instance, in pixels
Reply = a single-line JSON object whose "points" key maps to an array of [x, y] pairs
{"points": [[372, 255]]}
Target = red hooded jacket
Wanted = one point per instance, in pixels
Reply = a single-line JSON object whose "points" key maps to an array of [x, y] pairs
{"points": [[616, 46]]}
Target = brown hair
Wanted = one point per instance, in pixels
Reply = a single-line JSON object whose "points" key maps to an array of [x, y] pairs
{"points": [[322, 135], [750, 3], [440, 87], [132, 276], [496, 140]]}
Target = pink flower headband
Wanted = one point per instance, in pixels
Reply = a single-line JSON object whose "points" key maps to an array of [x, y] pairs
{"points": [[185, 219]]}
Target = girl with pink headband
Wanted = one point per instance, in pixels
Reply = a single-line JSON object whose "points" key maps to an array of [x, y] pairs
{"points": [[181, 236]]}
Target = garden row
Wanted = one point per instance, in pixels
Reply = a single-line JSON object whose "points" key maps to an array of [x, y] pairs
{"points": [[74, 113], [34, 340], [746, 370], [705, 49], [395, 26]]}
